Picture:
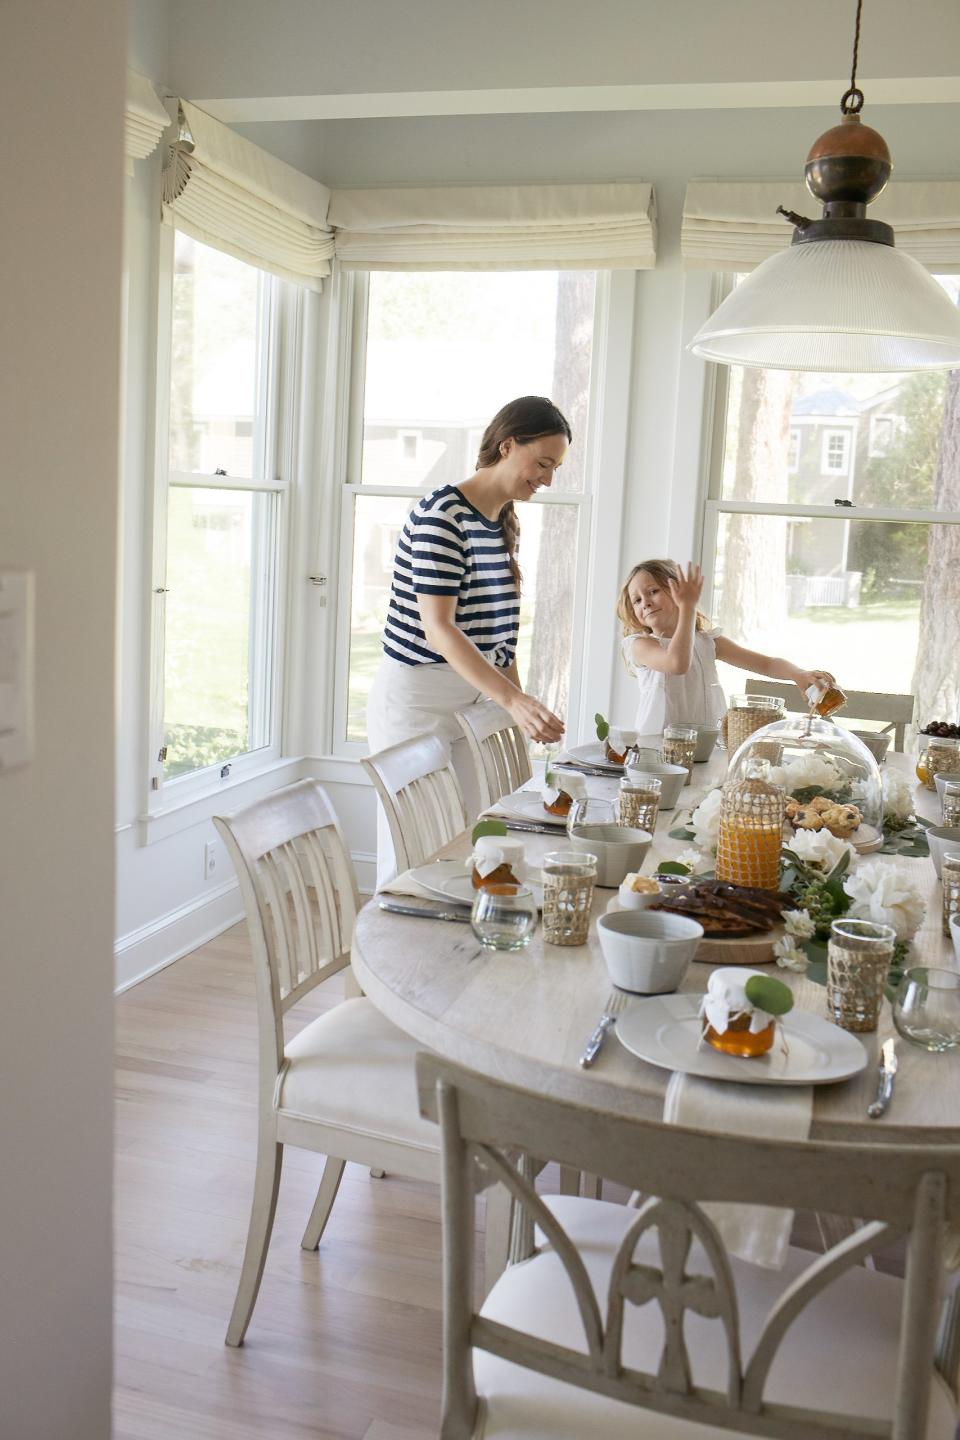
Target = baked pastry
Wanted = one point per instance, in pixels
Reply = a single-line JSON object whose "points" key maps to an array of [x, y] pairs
{"points": [[560, 789], [723, 909], [734, 1014], [822, 813], [496, 860]]}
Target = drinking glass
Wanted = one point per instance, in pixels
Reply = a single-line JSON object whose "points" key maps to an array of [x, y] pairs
{"points": [[504, 916], [679, 747], [950, 886], [639, 800], [592, 811], [950, 803], [926, 1008], [568, 881], [858, 960]]}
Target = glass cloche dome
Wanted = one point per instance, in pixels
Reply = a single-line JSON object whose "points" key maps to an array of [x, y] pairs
{"points": [[811, 757]]}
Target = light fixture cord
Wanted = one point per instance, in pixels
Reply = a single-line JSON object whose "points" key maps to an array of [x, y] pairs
{"points": [[852, 100]]}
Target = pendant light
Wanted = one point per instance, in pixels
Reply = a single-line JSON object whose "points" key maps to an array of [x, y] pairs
{"points": [[842, 297]]}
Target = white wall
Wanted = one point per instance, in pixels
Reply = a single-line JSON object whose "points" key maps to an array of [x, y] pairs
{"points": [[62, 78], [244, 47]]}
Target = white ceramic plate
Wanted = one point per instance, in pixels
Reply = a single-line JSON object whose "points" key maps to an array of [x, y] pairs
{"points": [[460, 888], [528, 805], [593, 754], [433, 875], [665, 1029]]}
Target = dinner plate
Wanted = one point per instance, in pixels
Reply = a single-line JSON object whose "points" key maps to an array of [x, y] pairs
{"points": [[460, 888], [665, 1030], [432, 875], [528, 805], [593, 754]]}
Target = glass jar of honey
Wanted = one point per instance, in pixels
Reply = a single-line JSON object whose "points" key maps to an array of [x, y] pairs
{"points": [[751, 828], [825, 699], [739, 1039]]}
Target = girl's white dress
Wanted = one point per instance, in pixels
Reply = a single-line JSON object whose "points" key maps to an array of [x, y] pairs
{"points": [[695, 698]]}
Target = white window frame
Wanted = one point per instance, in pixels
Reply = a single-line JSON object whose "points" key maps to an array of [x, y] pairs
{"points": [[835, 432], [715, 506], [595, 582], [279, 380]]}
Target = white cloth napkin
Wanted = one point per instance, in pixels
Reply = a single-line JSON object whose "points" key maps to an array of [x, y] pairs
{"points": [[757, 1233], [408, 884]]}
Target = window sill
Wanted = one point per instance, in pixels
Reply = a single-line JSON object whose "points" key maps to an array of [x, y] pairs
{"points": [[169, 820]]}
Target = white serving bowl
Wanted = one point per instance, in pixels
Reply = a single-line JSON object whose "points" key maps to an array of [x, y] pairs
{"points": [[637, 899], [707, 737], [647, 951], [618, 848], [876, 741], [942, 839], [672, 780]]}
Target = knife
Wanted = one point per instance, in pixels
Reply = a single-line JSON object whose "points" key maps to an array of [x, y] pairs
{"points": [[533, 829], [887, 1075], [396, 909], [608, 773]]}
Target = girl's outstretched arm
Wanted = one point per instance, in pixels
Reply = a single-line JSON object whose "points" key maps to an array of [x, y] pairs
{"points": [[773, 666]]}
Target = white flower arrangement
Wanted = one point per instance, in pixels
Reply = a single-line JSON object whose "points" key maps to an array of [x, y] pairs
{"points": [[897, 796], [705, 822], [694, 860], [887, 896], [799, 925], [809, 770], [819, 850], [789, 955]]}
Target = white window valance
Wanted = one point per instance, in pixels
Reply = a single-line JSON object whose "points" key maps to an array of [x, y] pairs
{"points": [[145, 119], [227, 192], [733, 225], [503, 227]]}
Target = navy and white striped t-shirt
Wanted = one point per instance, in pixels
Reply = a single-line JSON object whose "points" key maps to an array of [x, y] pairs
{"points": [[447, 547]]}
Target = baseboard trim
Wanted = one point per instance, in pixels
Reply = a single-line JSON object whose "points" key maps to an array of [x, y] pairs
{"points": [[152, 947]]}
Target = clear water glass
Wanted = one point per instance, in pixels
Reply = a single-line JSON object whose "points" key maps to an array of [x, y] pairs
{"points": [[504, 916], [926, 1008], [592, 811]]}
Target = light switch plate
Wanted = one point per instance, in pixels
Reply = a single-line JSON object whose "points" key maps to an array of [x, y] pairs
{"points": [[16, 668]]}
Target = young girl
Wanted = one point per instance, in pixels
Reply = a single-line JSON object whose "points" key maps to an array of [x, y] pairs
{"points": [[668, 645]]}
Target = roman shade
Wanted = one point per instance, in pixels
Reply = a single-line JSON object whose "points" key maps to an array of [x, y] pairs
{"points": [[145, 119], [226, 192], [733, 225], [503, 227]]}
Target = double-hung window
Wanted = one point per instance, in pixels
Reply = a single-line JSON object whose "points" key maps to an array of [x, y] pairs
{"points": [[219, 523], [436, 355], [860, 577]]}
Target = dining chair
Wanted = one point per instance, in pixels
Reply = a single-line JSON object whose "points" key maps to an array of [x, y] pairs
{"points": [[896, 711], [638, 1322], [344, 1085], [421, 795], [497, 748]]}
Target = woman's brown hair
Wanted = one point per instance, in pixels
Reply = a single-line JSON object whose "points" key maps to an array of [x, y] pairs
{"points": [[532, 417], [662, 571]]}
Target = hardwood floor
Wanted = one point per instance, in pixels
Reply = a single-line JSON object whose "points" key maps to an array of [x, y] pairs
{"points": [[344, 1343]]}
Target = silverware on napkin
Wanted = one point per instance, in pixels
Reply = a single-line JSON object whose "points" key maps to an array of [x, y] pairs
{"points": [[607, 772], [886, 1077], [615, 1003], [423, 911], [532, 829]]}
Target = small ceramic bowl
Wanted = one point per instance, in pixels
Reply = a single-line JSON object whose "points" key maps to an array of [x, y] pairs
{"points": [[942, 839], [876, 742], [707, 737], [632, 899], [618, 849], [647, 951], [672, 780]]}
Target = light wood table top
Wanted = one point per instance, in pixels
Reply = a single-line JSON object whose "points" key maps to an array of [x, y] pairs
{"points": [[525, 1016]]}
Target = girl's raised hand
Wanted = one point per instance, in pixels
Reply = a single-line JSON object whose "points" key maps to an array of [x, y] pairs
{"points": [[688, 589]]}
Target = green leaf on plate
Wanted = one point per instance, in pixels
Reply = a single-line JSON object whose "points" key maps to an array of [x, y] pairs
{"points": [[769, 994], [603, 729], [487, 827]]}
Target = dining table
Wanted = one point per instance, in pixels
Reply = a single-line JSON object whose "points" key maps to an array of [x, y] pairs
{"points": [[523, 1017]]}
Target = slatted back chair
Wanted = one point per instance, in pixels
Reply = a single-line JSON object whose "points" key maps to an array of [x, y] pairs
{"points": [[344, 1085], [421, 796], [622, 1318], [896, 711], [498, 750]]}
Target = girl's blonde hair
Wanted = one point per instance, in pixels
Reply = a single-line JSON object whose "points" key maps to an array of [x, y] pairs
{"points": [[662, 571]]}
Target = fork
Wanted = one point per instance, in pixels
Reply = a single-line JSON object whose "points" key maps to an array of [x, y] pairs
{"points": [[616, 1001]]}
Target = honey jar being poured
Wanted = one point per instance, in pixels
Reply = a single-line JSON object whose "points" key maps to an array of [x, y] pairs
{"points": [[825, 699]]}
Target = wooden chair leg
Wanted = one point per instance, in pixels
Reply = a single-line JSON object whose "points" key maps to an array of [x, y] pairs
{"points": [[592, 1186], [265, 1190], [569, 1180], [320, 1214], [377, 1174], [496, 1247]]}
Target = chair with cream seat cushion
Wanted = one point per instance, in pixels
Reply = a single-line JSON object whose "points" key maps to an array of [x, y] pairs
{"points": [[421, 795], [497, 748], [626, 1323], [345, 1085]]}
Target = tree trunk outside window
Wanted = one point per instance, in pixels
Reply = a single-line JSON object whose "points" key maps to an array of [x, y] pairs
{"points": [[936, 679]]}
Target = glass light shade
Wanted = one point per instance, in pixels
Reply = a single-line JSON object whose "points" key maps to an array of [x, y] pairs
{"points": [[809, 756], [835, 305]]}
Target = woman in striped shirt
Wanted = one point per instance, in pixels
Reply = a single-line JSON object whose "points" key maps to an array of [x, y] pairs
{"points": [[453, 616]]}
